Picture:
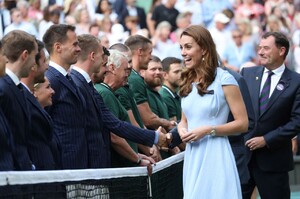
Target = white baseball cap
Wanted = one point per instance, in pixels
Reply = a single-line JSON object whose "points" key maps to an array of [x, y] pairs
{"points": [[222, 18]]}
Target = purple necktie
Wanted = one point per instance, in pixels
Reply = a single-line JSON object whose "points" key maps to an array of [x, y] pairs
{"points": [[265, 92]]}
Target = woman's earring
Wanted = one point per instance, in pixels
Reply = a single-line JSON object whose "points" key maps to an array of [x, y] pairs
{"points": [[203, 59]]}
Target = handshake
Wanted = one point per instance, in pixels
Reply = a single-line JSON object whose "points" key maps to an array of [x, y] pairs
{"points": [[164, 139]]}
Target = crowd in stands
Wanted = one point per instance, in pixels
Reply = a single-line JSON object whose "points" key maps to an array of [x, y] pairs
{"points": [[163, 21]]}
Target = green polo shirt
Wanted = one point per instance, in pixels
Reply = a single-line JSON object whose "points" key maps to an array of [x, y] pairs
{"points": [[138, 87], [172, 101], [158, 107], [157, 104], [113, 104], [125, 96]]}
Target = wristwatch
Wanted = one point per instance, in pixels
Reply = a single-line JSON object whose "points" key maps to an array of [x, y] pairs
{"points": [[213, 131]]}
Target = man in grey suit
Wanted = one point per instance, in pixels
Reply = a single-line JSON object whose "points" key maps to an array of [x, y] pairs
{"points": [[275, 94]]}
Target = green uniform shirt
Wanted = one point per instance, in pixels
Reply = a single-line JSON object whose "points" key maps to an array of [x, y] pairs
{"points": [[113, 104], [125, 96], [157, 104], [138, 87], [172, 101], [158, 107]]}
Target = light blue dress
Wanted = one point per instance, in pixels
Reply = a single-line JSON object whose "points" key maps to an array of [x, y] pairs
{"points": [[209, 170]]}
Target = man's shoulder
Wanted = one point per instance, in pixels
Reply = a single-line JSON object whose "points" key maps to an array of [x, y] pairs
{"points": [[134, 76], [165, 93], [104, 91], [121, 91]]}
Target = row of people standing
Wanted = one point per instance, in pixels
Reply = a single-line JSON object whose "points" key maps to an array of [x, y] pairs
{"points": [[80, 144], [199, 79]]}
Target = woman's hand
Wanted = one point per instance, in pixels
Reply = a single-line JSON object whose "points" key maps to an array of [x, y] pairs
{"points": [[195, 134]]}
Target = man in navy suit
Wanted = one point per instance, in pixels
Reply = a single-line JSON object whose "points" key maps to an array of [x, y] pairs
{"points": [[100, 121], [20, 49], [41, 144], [68, 110], [6, 157], [277, 118]]}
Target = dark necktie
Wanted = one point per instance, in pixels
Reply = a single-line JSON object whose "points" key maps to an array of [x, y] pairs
{"points": [[265, 92], [20, 87], [68, 76], [92, 87]]}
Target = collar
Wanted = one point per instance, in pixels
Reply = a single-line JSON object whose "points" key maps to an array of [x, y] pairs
{"points": [[58, 67], [106, 85], [83, 73], [26, 87], [169, 90], [132, 70], [13, 76], [278, 71]]}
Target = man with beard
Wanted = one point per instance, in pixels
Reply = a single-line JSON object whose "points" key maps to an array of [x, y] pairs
{"points": [[125, 96], [42, 145], [99, 76], [141, 49], [172, 69], [153, 78], [125, 153]]}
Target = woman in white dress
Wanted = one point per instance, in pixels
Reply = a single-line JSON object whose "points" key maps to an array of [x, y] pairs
{"points": [[208, 94]]}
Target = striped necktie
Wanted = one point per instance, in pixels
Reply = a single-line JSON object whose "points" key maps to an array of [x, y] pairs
{"points": [[265, 92]]}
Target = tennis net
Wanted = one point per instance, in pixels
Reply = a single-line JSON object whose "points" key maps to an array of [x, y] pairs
{"points": [[114, 183]]}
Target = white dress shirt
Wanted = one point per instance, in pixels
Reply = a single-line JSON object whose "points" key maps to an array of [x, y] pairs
{"points": [[274, 78]]}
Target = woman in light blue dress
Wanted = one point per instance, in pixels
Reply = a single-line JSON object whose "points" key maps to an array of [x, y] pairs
{"points": [[208, 94]]}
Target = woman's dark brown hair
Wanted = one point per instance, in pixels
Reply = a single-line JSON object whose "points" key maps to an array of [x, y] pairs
{"points": [[204, 72]]}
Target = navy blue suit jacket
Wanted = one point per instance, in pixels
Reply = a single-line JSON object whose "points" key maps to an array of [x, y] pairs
{"points": [[6, 143], [42, 146], [279, 123], [237, 143], [122, 128], [98, 141], [108, 122], [15, 109], [68, 113]]}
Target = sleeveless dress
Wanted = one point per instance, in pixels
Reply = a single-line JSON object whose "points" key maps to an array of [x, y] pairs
{"points": [[209, 170]]}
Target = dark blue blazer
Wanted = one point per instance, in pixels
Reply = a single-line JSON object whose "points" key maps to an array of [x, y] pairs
{"points": [[68, 113], [279, 123], [108, 122], [237, 143], [15, 109], [42, 146], [122, 128], [6, 143], [98, 140]]}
